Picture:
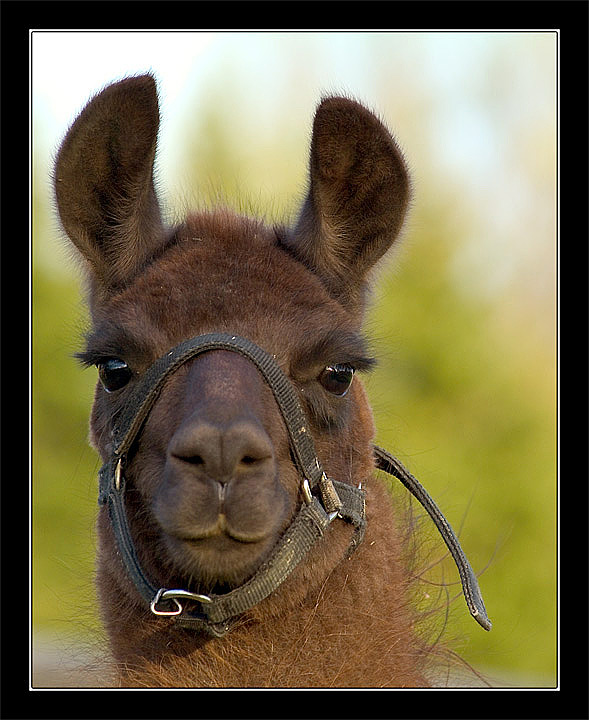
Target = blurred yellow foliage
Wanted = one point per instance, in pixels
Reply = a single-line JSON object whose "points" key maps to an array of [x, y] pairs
{"points": [[463, 325]]}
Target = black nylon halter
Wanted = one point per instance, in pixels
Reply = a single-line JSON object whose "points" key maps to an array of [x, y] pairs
{"points": [[324, 498]]}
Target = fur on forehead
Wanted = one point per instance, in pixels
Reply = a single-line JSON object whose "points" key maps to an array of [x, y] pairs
{"points": [[221, 271]]}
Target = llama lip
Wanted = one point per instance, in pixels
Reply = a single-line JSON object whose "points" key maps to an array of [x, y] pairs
{"points": [[221, 529]]}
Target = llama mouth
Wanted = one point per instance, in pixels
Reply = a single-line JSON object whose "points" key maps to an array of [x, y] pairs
{"points": [[222, 530]]}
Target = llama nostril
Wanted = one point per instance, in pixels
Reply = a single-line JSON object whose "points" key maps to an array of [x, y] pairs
{"points": [[193, 459], [221, 451]]}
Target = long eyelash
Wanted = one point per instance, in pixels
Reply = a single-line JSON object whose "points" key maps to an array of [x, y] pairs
{"points": [[88, 358], [362, 364]]}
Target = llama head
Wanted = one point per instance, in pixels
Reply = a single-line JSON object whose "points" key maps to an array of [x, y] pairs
{"points": [[211, 482]]}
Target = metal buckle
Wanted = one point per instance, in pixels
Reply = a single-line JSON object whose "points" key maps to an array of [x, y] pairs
{"points": [[163, 594], [309, 499]]}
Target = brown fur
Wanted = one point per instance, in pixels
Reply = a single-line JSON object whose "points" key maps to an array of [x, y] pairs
{"points": [[336, 621]]}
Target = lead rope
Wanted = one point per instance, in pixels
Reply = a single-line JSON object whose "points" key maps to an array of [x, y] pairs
{"points": [[472, 594], [332, 499]]}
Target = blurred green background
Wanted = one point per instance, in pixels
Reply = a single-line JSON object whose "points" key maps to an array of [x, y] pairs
{"points": [[464, 315]]}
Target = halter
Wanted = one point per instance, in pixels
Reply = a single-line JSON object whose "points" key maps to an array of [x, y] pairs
{"points": [[324, 499]]}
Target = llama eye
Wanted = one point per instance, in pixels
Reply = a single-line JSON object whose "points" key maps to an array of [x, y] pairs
{"points": [[114, 374], [337, 378]]}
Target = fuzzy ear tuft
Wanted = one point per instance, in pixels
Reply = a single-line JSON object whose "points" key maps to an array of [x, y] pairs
{"points": [[357, 198], [104, 181]]}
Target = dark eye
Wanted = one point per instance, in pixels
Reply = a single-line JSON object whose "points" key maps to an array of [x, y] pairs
{"points": [[114, 374], [337, 378]]}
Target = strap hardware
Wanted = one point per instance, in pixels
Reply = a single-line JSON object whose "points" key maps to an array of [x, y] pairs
{"points": [[327, 493], [329, 496], [162, 595], [307, 492], [118, 471]]}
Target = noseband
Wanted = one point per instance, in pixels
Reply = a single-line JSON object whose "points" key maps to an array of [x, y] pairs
{"points": [[324, 499]]}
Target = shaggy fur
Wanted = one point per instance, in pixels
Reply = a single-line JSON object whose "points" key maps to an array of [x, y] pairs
{"points": [[299, 294]]}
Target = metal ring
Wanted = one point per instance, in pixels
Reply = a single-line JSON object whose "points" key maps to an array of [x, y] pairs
{"points": [[164, 594], [186, 594], [155, 601]]}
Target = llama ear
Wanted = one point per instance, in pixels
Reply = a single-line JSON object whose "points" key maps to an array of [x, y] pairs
{"points": [[104, 181], [357, 198]]}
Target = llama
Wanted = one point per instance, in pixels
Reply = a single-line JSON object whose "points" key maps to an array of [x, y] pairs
{"points": [[244, 537]]}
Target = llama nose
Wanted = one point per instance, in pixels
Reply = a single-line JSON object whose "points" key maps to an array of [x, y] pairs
{"points": [[221, 452]]}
